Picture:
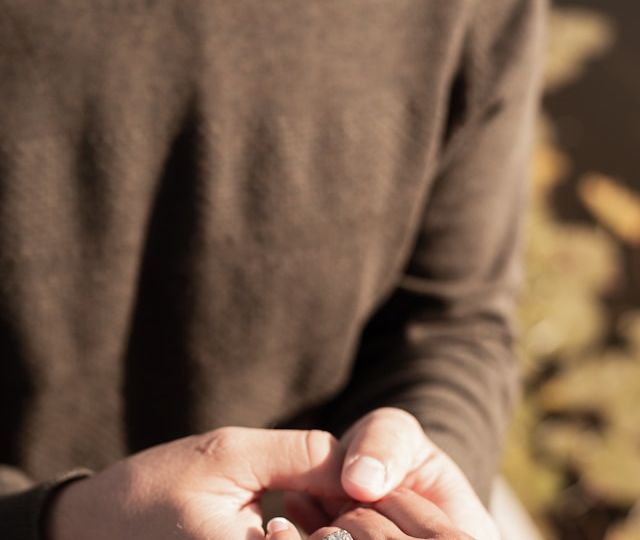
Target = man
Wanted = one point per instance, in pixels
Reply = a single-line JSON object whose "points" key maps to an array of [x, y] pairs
{"points": [[261, 214]]}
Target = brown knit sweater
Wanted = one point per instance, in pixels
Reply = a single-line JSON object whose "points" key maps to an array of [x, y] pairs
{"points": [[261, 213]]}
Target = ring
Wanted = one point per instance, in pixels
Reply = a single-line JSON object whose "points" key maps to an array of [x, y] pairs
{"points": [[340, 534]]}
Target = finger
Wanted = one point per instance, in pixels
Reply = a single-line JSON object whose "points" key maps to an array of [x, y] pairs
{"points": [[280, 528], [395, 439], [414, 514], [367, 524], [286, 460], [323, 532], [305, 511], [440, 480], [382, 448]]}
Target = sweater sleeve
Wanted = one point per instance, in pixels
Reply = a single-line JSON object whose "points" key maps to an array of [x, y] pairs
{"points": [[23, 506], [441, 346]]}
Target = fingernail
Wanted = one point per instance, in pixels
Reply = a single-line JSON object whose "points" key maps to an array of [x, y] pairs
{"points": [[368, 473], [278, 524]]}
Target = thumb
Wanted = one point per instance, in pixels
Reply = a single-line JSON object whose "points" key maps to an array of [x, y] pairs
{"points": [[382, 448], [276, 459], [440, 480], [388, 447]]}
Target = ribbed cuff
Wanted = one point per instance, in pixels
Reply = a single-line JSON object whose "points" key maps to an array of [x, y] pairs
{"points": [[21, 513]]}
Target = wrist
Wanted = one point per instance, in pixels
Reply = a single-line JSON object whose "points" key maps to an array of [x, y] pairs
{"points": [[63, 512]]}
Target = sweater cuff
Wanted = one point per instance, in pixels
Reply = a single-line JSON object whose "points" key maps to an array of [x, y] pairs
{"points": [[22, 513]]}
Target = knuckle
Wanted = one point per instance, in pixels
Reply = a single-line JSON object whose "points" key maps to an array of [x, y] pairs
{"points": [[369, 524], [318, 445], [438, 460], [221, 444], [360, 513], [322, 437]]}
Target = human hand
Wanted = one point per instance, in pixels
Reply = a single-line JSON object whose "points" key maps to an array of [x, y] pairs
{"points": [[401, 515], [201, 487], [388, 448]]}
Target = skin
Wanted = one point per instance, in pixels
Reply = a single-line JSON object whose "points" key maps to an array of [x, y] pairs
{"points": [[204, 487], [409, 459], [207, 487], [401, 515]]}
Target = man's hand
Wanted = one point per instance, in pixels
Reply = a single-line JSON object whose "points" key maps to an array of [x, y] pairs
{"points": [[401, 515], [201, 487], [388, 448]]}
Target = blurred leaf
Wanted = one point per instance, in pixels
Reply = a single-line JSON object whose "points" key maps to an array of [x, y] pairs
{"points": [[629, 529], [550, 164], [576, 36], [629, 327], [617, 207], [565, 442], [609, 384], [611, 470], [580, 413], [535, 484]]}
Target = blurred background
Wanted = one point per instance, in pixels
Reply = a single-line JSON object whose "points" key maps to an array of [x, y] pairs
{"points": [[573, 455]]}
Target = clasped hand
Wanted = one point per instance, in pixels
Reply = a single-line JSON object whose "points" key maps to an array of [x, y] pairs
{"points": [[208, 487]]}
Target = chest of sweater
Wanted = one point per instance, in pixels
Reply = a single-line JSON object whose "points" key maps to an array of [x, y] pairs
{"points": [[200, 205]]}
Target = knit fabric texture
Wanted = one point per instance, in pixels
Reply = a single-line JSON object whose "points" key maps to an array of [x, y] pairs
{"points": [[260, 213]]}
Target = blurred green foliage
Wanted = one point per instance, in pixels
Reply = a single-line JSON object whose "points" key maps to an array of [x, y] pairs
{"points": [[573, 454]]}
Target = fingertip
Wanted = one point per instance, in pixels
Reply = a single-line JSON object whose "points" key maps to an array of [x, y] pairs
{"points": [[281, 529], [381, 451], [279, 524], [365, 478]]}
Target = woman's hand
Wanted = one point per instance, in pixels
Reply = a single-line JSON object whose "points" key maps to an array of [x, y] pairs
{"points": [[200, 487], [388, 448], [401, 515]]}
